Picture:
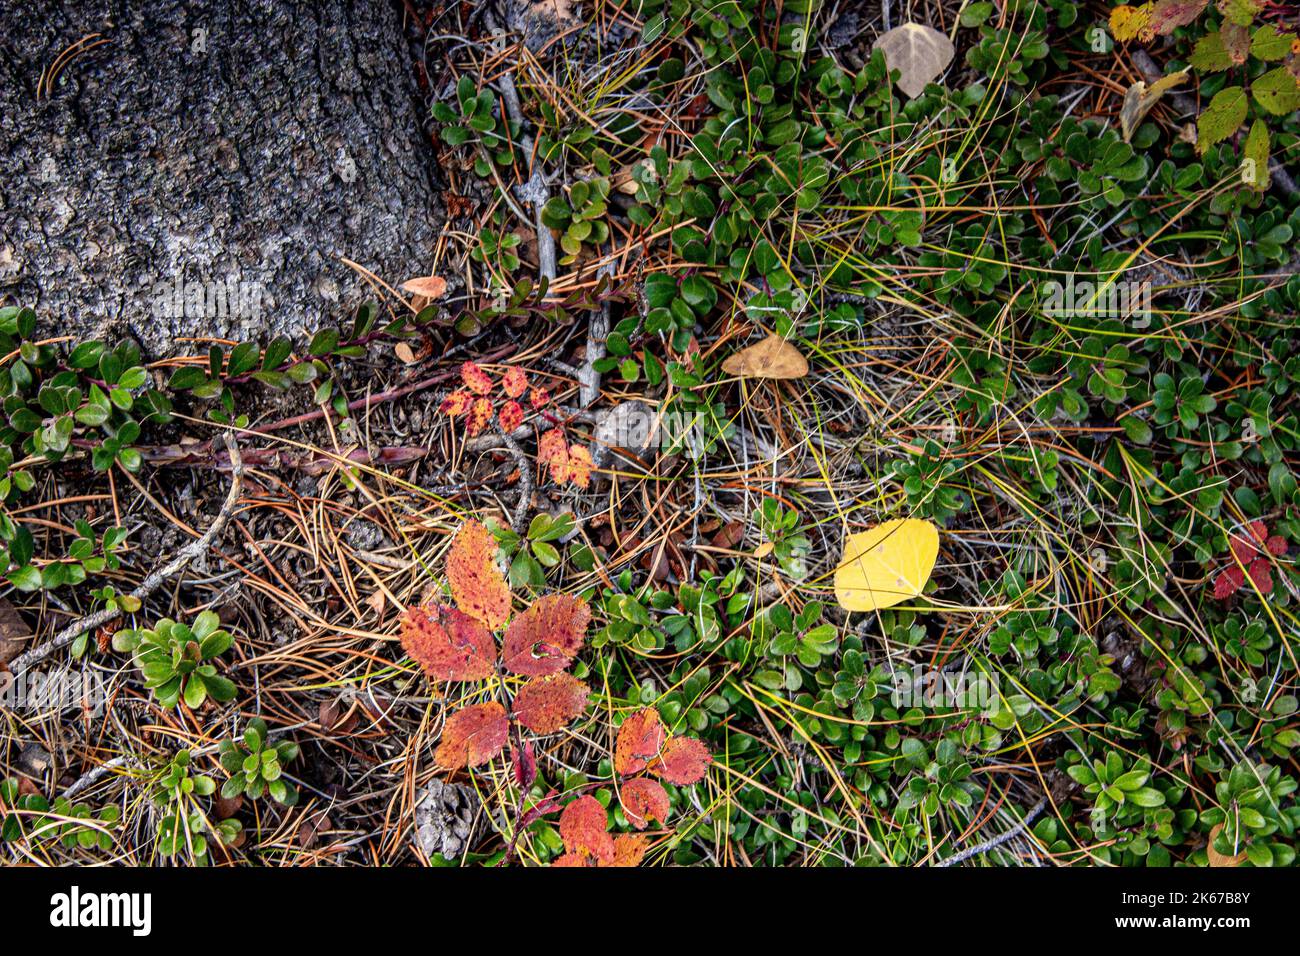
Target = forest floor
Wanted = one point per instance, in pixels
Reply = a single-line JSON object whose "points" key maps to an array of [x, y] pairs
{"points": [[716, 299]]}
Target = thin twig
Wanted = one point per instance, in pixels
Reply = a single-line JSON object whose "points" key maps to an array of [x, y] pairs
{"points": [[997, 840], [155, 580], [534, 191], [525, 480]]}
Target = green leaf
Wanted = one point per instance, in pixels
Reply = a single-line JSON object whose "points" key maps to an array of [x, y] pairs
{"points": [[1221, 118], [1269, 44], [1276, 91], [1254, 166]]}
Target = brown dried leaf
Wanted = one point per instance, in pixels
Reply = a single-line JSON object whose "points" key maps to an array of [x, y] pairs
{"points": [[639, 741], [1218, 859], [773, 357], [477, 585], [472, 736], [547, 636], [448, 644], [644, 799], [547, 704], [919, 53]]}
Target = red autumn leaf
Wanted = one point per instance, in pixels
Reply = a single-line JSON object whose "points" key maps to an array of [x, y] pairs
{"points": [[511, 416], [546, 704], [525, 763], [553, 451], [480, 413], [1242, 549], [475, 379], [1227, 583], [547, 636], [629, 849], [476, 583], [514, 382], [1276, 545], [639, 741], [448, 644], [539, 398], [431, 287], [643, 799], [1262, 575], [582, 828], [1167, 15], [472, 736], [457, 403], [684, 760], [579, 466]]}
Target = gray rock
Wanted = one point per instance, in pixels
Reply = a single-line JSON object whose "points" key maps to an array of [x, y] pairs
{"points": [[201, 172]]}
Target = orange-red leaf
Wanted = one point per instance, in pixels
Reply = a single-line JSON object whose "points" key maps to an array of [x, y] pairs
{"points": [[448, 644], [582, 828], [476, 583], [570, 859], [629, 849], [431, 287], [579, 465], [546, 704], [553, 451], [511, 416], [547, 636], [475, 379], [644, 799], [639, 741], [480, 413], [514, 382], [539, 398], [473, 736], [684, 760], [457, 403]]}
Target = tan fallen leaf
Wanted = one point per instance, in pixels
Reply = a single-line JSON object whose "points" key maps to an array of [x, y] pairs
{"points": [[404, 353], [764, 549], [431, 287], [1221, 859], [1140, 98], [919, 53], [773, 357]]}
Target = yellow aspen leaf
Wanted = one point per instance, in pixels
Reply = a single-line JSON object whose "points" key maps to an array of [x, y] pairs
{"points": [[1127, 21], [886, 565]]}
